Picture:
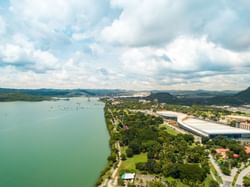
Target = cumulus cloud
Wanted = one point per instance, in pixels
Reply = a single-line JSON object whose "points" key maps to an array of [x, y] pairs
{"points": [[129, 44], [22, 54], [2, 26], [160, 21], [60, 13], [185, 60], [183, 55]]}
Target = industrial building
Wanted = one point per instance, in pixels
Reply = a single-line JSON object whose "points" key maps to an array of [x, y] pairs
{"points": [[205, 128], [244, 125]]}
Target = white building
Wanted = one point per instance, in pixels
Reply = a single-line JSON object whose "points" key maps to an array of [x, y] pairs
{"points": [[205, 128]]}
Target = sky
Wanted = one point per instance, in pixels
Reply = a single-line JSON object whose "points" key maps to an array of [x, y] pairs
{"points": [[125, 44]]}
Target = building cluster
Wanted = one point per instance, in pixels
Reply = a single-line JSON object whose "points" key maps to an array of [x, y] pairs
{"points": [[242, 122], [209, 129], [223, 153], [244, 125]]}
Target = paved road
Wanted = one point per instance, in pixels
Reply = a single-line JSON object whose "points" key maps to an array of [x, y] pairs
{"points": [[113, 180], [242, 174], [227, 180]]}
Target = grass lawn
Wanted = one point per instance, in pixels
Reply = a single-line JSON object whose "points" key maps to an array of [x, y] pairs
{"points": [[212, 169], [130, 163], [123, 149], [207, 181], [169, 129], [178, 183]]}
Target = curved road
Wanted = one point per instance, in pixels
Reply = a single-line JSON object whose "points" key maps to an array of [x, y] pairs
{"points": [[242, 174], [227, 180]]}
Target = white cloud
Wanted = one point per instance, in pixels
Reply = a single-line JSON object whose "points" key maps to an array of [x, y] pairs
{"points": [[183, 55], [59, 16], [161, 21], [161, 44], [184, 61], [2, 26], [21, 52]]}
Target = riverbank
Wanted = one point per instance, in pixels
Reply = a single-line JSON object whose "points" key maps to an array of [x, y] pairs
{"points": [[113, 159]]}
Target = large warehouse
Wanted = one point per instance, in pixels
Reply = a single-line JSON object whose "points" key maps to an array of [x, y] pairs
{"points": [[205, 128]]}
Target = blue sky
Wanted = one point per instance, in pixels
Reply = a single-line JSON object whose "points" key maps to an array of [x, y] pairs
{"points": [[127, 44]]}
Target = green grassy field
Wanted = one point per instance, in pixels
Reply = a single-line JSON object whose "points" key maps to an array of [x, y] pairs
{"points": [[212, 169], [123, 149], [178, 183], [207, 181], [130, 163], [169, 129]]}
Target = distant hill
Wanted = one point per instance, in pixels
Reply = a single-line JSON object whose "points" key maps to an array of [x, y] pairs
{"points": [[162, 97], [9, 94], [200, 93], [244, 95], [177, 97], [21, 97], [47, 92], [239, 98]]}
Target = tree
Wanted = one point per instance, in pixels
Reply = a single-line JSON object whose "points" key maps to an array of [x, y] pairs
{"points": [[153, 167], [129, 152], [155, 184], [213, 184], [233, 123], [123, 156], [188, 172], [246, 181], [191, 171], [225, 170], [131, 185], [140, 166], [189, 138], [112, 157], [135, 146]]}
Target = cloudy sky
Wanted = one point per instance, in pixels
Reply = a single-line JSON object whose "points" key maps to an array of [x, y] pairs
{"points": [[129, 44]]}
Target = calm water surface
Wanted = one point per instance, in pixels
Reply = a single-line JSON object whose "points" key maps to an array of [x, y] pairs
{"points": [[52, 143]]}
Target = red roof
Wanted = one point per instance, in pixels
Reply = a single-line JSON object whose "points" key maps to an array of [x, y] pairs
{"points": [[236, 156], [221, 150], [247, 150]]}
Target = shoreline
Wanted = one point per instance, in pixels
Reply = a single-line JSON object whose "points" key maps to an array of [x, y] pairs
{"points": [[111, 163]]}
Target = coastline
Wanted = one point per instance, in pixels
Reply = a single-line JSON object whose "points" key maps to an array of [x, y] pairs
{"points": [[105, 174]]}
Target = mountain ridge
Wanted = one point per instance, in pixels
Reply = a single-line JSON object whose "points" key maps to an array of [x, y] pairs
{"points": [[240, 98]]}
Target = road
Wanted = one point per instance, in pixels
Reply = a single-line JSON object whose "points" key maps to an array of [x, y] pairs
{"points": [[113, 180], [227, 180], [242, 174]]}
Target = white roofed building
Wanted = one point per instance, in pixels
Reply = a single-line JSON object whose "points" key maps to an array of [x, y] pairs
{"points": [[205, 128]]}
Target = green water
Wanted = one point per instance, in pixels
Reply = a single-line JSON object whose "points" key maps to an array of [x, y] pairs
{"points": [[52, 143]]}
